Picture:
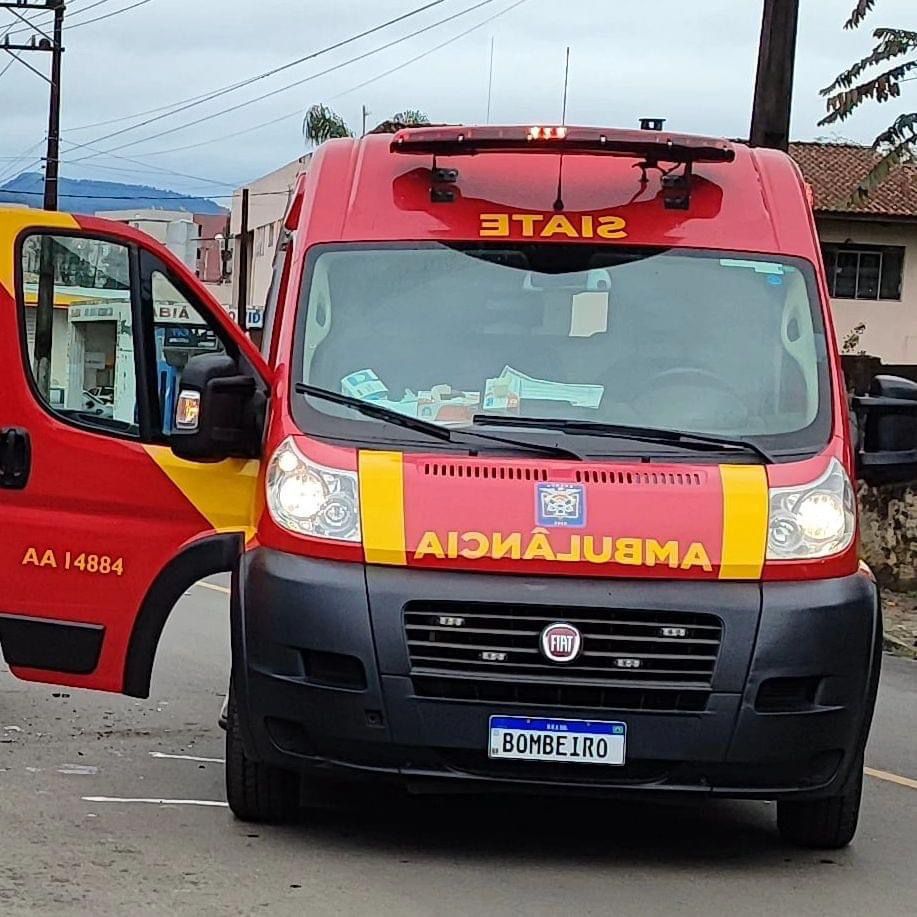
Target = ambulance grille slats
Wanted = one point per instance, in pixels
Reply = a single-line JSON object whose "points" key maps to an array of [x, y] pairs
{"points": [[485, 472], [630, 660], [640, 478], [473, 471]]}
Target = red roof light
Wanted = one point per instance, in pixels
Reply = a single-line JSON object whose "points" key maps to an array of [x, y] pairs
{"points": [[653, 146]]}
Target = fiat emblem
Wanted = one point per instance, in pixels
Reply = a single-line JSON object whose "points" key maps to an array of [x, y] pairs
{"points": [[561, 642]]}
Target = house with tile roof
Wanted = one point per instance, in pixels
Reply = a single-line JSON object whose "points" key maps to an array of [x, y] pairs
{"points": [[870, 249]]}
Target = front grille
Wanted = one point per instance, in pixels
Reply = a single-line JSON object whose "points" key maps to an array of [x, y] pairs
{"points": [[631, 660]]}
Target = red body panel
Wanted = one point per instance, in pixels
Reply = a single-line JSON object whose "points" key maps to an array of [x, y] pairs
{"points": [[358, 191]]}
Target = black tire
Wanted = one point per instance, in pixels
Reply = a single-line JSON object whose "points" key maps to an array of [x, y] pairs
{"points": [[828, 823], [256, 792]]}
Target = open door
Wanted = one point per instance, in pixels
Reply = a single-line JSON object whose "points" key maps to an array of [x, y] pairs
{"points": [[102, 526]]}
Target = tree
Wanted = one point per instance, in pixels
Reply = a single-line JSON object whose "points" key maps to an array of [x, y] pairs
{"points": [[898, 143], [323, 123]]}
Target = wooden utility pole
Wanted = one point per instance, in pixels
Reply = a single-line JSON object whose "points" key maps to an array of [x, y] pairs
{"points": [[241, 265], [770, 121], [44, 313]]}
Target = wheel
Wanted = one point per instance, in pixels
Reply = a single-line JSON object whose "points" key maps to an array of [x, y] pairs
{"points": [[828, 823], [256, 792]]}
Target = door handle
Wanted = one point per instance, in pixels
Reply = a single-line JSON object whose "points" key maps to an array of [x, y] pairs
{"points": [[15, 458]]}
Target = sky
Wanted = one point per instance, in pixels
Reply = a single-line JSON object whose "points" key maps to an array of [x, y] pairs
{"points": [[690, 61]]}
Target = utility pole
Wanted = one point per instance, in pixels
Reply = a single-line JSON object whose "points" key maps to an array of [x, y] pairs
{"points": [[44, 313], [52, 160], [241, 265], [770, 122], [366, 114]]}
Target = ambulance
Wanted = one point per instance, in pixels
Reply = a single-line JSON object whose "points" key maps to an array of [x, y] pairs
{"points": [[541, 481]]}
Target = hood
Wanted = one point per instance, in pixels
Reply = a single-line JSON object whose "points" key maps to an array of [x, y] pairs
{"points": [[569, 518]]}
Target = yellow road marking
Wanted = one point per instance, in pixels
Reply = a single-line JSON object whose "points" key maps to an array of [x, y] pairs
{"points": [[891, 778], [224, 589]]}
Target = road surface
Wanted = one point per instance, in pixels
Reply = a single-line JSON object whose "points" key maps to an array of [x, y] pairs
{"points": [[64, 853]]}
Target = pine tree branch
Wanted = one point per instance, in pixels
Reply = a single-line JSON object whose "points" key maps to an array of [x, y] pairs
{"points": [[881, 88], [892, 43], [862, 10]]}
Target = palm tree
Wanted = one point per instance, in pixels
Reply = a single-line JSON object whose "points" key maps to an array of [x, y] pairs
{"points": [[323, 123], [898, 143]]}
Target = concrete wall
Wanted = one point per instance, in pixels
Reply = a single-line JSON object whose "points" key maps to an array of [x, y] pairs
{"points": [[888, 525], [891, 325]]}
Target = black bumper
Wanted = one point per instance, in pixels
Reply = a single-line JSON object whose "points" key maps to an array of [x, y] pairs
{"points": [[323, 682]]}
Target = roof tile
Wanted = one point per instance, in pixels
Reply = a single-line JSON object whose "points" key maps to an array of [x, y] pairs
{"points": [[834, 170]]}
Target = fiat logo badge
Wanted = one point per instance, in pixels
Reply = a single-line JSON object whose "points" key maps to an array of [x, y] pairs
{"points": [[561, 642]]}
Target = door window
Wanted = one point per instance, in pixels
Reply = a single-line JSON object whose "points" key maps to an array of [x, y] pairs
{"points": [[77, 310], [181, 333]]}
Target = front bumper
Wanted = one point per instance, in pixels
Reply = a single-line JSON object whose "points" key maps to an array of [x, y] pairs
{"points": [[323, 682]]}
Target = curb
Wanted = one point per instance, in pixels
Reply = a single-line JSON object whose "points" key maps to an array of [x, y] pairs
{"points": [[898, 647]]}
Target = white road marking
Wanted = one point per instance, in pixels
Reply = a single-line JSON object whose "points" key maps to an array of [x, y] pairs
{"points": [[215, 587], [159, 802], [162, 754], [891, 778]]}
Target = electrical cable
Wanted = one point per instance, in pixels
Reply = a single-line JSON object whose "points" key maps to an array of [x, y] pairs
{"points": [[289, 86], [194, 101]]}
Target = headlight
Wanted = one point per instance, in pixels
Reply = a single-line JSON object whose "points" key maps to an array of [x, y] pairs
{"points": [[310, 499], [812, 520]]}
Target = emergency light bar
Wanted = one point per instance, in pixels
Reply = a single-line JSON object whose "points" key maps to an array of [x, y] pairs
{"points": [[652, 146]]}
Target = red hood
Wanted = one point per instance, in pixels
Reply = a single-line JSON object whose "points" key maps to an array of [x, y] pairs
{"points": [[556, 517]]}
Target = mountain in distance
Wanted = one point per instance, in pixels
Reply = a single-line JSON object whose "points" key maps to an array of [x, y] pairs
{"points": [[86, 195]]}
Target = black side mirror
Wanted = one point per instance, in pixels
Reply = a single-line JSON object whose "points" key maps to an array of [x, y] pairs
{"points": [[887, 420], [216, 415]]}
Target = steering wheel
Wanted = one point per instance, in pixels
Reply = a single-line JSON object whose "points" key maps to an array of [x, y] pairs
{"points": [[731, 407]]}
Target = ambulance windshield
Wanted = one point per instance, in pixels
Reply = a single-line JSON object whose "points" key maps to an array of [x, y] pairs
{"points": [[708, 342]]}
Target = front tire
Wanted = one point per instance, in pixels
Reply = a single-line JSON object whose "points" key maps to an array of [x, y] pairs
{"points": [[257, 792], [828, 823]]}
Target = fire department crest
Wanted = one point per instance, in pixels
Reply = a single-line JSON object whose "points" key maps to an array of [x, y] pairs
{"points": [[561, 505]]}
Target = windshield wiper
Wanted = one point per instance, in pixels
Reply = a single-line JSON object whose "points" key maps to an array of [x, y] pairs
{"points": [[622, 431], [389, 415]]}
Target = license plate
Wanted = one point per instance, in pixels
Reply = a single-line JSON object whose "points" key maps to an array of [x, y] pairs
{"points": [[569, 741]]}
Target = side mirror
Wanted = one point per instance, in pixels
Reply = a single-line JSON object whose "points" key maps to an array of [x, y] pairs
{"points": [[887, 421], [216, 412]]}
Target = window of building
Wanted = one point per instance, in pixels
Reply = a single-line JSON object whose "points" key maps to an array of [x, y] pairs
{"points": [[864, 271]]}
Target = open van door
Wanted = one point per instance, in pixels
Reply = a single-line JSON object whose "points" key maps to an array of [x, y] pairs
{"points": [[111, 355]]}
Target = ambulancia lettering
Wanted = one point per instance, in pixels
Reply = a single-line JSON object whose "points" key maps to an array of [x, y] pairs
{"points": [[540, 544]]}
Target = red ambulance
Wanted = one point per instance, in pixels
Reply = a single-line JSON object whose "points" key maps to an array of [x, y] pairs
{"points": [[542, 479]]}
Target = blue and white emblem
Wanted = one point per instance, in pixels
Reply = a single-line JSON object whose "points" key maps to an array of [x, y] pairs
{"points": [[561, 505]]}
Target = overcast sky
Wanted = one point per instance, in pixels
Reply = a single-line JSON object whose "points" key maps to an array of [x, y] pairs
{"points": [[691, 61]]}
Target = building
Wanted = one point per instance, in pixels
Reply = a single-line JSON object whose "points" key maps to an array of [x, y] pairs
{"points": [[870, 249], [199, 240], [268, 199]]}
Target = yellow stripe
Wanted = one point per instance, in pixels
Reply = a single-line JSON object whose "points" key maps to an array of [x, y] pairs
{"points": [[744, 521], [382, 507], [12, 222], [222, 492]]}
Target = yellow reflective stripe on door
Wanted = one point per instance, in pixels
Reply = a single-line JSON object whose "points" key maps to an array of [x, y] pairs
{"points": [[744, 521], [382, 507], [222, 492], [12, 222]]}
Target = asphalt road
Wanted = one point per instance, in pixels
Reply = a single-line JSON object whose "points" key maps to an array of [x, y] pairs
{"points": [[61, 853]]}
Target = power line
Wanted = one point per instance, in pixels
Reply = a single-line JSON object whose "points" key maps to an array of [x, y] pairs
{"points": [[182, 104], [145, 197], [293, 85], [199, 100], [34, 25], [298, 112]]}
